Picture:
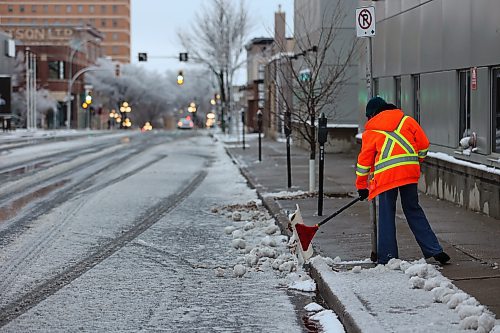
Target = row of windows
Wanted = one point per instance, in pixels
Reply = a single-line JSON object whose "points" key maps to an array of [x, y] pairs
{"points": [[465, 87], [59, 8], [103, 22]]}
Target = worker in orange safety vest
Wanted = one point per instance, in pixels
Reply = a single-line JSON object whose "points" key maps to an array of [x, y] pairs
{"points": [[393, 145]]}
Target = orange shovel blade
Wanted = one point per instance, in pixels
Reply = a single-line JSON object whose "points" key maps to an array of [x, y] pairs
{"points": [[305, 234]]}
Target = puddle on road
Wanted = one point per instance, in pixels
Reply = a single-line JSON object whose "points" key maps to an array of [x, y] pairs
{"points": [[13, 207], [310, 326], [23, 170], [299, 301]]}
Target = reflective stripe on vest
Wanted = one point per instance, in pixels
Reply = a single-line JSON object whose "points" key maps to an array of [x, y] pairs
{"points": [[362, 170], [387, 161]]}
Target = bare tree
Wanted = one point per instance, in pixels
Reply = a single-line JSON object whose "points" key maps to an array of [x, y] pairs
{"points": [[217, 40], [312, 79]]}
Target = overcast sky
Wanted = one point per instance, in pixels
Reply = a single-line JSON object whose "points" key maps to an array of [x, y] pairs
{"points": [[155, 24]]}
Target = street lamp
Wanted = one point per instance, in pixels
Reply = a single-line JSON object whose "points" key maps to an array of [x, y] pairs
{"points": [[192, 109], [112, 118], [125, 109], [70, 83]]}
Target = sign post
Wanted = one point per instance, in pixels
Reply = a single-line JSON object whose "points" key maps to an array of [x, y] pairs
{"points": [[365, 27]]}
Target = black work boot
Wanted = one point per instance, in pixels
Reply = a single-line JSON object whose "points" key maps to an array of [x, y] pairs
{"points": [[442, 257]]}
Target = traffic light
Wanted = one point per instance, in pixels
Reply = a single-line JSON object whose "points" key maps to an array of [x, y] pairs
{"points": [[180, 78], [117, 70], [143, 56], [183, 56], [88, 99]]}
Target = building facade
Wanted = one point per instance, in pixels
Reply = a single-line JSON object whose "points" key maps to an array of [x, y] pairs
{"points": [[439, 60], [259, 50], [53, 55], [329, 26], [7, 62], [111, 18], [64, 37]]}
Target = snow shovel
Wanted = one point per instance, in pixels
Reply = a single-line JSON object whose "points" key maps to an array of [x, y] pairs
{"points": [[306, 233]]}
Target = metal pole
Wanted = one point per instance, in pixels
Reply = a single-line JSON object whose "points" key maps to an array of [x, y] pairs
{"points": [[373, 203], [288, 162], [259, 123], [288, 133], [28, 90], [33, 60], [321, 171], [243, 123]]}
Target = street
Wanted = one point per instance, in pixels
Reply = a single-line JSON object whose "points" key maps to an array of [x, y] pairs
{"points": [[136, 232]]}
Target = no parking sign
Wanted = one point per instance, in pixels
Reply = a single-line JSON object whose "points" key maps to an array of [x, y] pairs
{"points": [[365, 21]]}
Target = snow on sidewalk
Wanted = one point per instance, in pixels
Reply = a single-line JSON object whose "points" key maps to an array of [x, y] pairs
{"points": [[403, 297]]}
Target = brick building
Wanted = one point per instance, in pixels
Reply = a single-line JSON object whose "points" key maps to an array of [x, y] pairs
{"points": [[112, 18], [64, 38]]}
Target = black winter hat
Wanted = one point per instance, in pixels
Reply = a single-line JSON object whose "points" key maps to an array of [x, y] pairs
{"points": [[374, 106]]}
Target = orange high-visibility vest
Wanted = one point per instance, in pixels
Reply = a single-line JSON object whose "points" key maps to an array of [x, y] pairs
{"points": [[393, 145]]}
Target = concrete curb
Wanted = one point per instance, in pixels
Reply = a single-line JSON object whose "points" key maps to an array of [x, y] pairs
{"points": [[354, 316], [350, 310]]}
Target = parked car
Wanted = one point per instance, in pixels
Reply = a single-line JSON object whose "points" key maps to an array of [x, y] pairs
{"points": [[185, 123]]}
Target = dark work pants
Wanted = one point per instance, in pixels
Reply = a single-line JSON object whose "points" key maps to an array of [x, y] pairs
{"points": [[387, 244]]}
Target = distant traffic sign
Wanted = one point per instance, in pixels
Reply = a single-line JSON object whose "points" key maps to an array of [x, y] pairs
{"points": [[183, 56], [365, 21], [143, 56]]}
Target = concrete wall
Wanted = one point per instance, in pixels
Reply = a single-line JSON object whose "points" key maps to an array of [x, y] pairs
{"points": [[469, 187]]}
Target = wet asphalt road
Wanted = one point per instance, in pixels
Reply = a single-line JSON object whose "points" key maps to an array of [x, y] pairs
{"points": [[126, 233]]}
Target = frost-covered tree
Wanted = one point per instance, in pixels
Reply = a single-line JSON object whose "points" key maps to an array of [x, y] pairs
{"points": [[151, 96], [45, 104], [216, 39]]}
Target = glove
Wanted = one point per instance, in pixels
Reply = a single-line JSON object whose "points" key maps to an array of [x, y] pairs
{"points": [[363, 193]]}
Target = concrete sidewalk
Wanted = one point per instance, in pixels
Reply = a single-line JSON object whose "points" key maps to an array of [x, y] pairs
{"points": [[471, 239]]}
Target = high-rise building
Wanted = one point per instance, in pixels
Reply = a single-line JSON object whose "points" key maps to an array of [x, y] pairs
{"points": [[111, 18]]}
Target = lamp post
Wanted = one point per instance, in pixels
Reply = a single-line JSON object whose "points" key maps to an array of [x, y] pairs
{"points": [[70, 80], [125, 109], [112, 118]]}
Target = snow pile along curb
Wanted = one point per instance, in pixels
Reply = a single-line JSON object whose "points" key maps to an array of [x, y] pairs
{"points": [[399, 296]]}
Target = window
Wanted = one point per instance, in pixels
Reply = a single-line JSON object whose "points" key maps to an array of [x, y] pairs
{"points": [[397, 91], [495, 147], [33, 8], [416, 97], [464, 86], [56, 70], [115, 23], [103, 9], [103, 23], [69, 8], [57, 9], [91, 9], [79, 8], [45, 9], [114, 50], [115, 9], [115, 36], [10, 8], [375, 87], [21, 8]]}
